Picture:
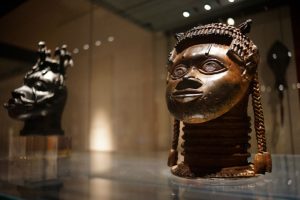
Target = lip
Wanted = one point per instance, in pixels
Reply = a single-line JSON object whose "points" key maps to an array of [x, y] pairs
{"points": [[14, 102], [187, 95], [11, 103]]}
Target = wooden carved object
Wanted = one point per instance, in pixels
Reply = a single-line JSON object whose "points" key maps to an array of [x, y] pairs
{"points": [[212, 71]]}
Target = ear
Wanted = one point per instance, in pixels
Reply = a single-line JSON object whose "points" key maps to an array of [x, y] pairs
{"points": [[234, 56], [252, 62], [246, 77], [171, 57], [249, 72]]}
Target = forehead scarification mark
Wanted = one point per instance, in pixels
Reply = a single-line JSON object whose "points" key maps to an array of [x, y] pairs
{"points": [[208, 49], [217, 33]]}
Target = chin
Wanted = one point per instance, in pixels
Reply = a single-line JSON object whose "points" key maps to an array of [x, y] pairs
{"points": [[197, 111]]}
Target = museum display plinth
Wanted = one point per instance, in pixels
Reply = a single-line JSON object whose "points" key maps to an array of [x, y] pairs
{"points": [[36, 158]]}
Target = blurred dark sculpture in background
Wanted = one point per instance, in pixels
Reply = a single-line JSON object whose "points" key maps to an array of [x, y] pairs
{"points": [[41, 100], [279, 58], [212, 70]]}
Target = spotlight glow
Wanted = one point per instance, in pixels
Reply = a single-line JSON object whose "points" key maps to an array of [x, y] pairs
{"points": [[111, 38], [86, 47], [281, 87], [101, 133], [98, 43], [186, 14], [230, 21], [231, 1], [76, 50], [207, 7]]}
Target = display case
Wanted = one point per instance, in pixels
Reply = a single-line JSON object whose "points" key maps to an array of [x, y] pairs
{"points": [[115, 130]]}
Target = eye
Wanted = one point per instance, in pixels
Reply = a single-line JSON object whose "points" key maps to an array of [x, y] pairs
{"points": [[29, 82], [212, 67], [179, 71], [40, 86]]}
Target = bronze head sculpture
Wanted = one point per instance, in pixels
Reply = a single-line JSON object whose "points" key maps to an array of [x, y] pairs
{"points": [[40, 101], [212, 70]]}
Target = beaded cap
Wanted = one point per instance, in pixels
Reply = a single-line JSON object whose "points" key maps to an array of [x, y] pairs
{"points": [[241, 48]]}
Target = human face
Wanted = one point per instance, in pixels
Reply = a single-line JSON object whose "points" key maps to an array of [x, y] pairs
{"points": [[204, 83], [37, 97]]}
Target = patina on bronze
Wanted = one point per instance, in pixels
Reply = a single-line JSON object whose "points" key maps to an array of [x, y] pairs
{"points": [[212, 71], [40, 101]]}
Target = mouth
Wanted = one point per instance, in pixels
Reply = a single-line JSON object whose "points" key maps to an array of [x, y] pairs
{"points": [[17, 109], [186, 95], [14, 102]]}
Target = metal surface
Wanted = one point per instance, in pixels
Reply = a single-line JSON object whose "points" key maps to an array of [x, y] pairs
{"points": [[211, 73], [40, 101]]}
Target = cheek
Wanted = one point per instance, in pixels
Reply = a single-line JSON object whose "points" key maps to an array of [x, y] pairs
{"points": [[232, 80], [225, 85], [171, 85], [228, 77], [169, 90]]}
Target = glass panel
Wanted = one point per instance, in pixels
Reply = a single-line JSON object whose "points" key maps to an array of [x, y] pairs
{"points": [[117, 127]]}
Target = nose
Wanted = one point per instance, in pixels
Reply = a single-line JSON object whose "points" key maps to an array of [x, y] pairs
{"points": [[23, 91], [17, 94], [189, 83]]}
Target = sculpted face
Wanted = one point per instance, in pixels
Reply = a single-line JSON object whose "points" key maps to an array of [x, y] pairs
{"points": [[40, 101], [41, 94], [204, 83]]}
